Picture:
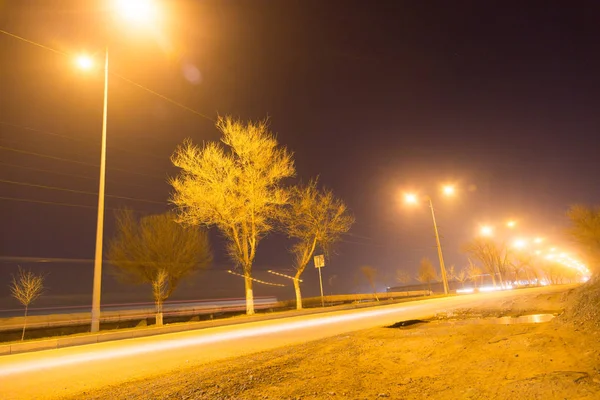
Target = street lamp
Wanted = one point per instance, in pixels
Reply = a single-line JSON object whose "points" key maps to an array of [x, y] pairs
{"points": [[486, 230], [138, 11], [412, 198]]}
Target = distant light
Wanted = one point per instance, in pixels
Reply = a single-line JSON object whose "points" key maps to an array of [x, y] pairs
{"points": [[520, 243], [486, 231], [538, 252], [511, 223], [538, 240], [466, 290], [448, 190], [84, 62], [410, 198], [553, 249]]}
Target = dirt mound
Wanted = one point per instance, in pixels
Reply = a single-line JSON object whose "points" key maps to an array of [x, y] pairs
{"points": [[583, 306]]}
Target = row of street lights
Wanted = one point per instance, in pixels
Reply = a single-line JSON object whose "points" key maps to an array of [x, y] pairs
{"points": [[488, 231]]}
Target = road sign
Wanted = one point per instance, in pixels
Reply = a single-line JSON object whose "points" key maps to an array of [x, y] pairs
{"points": [[319, 261]]}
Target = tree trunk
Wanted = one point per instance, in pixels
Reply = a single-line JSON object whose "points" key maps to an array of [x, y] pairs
{"points": [[24, 323], [159, 313], [249, 295], [298, 294]]}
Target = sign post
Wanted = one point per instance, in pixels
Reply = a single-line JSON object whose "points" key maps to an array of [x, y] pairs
{"points": [[320, 263]]}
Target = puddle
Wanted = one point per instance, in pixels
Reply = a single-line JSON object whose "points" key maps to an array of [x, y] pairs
{"points": [[524, 319], [410, 322]]}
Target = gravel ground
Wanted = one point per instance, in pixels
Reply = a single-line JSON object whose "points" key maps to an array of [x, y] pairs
{"points": [[454, 357]]}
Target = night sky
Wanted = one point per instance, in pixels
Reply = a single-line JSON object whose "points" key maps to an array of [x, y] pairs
{"points": [[374, 97]]}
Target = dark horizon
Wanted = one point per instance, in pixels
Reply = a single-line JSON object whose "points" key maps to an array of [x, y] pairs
{"points": [[500, 98]]}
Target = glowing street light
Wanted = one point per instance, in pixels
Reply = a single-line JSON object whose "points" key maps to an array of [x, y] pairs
{"points": [[411, 198], [511, 223], [448, 190], [136, 11], [84, 62], [486, 230], [520, 243]]}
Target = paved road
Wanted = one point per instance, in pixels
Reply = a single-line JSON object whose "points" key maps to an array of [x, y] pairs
{"points": [[53, 373]]}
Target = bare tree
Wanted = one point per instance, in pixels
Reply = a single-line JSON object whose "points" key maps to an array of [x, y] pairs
{"points": [[26, 287], [585, 231], [402, 276], [461, 277], [314, 218], [521, 263], [426, 272], [371, 274], [451, 272], [473, 272], [236, 186], [493, 258], [159, 251]]}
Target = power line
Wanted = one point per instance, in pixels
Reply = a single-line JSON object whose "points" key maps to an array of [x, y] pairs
{"points": [[79, 140], [76, 191], [117, 75], [76, 161], [22, 200], [163, 97], [34, 43], [62, 173]]}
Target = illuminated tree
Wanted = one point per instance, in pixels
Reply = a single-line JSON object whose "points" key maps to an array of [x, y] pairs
{"points": [[314, 218], [26, 287], [234, 185], [158, 251], [370, 274], [585, 231], [426, 272]]}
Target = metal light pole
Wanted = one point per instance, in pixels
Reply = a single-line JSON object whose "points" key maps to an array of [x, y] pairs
{"points": [[439, 248], [100, 225]]}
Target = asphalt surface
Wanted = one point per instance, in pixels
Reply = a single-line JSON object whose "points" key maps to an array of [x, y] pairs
{"points": [[68, 371]]}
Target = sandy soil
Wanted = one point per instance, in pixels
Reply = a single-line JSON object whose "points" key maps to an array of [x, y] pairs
{"points": [[452, 357]]}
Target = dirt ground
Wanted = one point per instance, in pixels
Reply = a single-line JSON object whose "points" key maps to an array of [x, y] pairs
{"points": [[456, 356]]}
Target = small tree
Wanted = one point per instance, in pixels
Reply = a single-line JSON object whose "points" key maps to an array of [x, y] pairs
{"points": [[402, 277], [370, 274], [426, 272], [236, 186], [158, 251], [313, 218], [26, 287]]}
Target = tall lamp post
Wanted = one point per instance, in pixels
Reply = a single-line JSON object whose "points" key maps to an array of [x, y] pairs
{"points": [[137, 11], [412, 198]]}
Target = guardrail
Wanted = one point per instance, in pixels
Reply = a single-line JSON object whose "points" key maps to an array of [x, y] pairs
{"points": [[139, 313]]}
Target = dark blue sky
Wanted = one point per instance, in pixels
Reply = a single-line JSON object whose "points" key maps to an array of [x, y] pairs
{"points": [[374, 97]]}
